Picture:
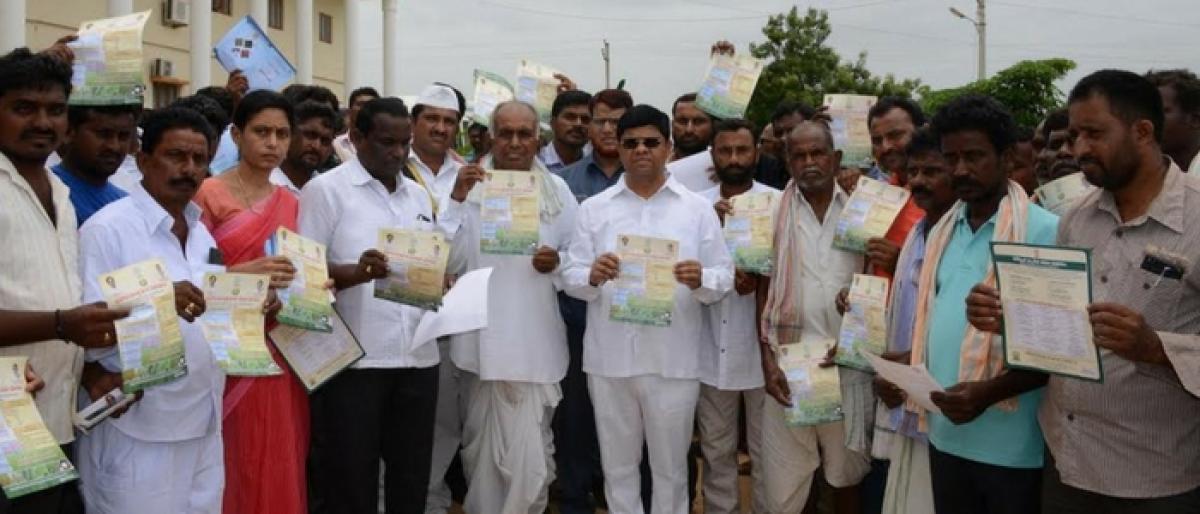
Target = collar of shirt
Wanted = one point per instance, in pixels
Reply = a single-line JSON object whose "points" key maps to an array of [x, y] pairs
{"points": [[671, 185], [962, 219], [549, 155], [840, 197], [156, 217], [1166, 208]]}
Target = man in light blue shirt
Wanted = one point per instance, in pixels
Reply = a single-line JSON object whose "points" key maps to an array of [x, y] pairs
{"points": [[984, 458]]}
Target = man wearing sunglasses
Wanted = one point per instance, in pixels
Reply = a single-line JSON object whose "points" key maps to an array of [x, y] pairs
{"points": [[643, 379]]}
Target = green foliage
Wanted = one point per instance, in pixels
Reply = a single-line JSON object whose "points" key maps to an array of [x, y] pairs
{"points": [[801, 67], [1026, 88]]}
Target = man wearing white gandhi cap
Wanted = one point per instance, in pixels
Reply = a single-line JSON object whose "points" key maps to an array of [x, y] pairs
{"points": [[433, 164]]}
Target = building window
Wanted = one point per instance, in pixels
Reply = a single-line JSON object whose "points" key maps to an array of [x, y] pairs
{"points": [[275, 14], [325, 28], [222, 6], [164, 94]]}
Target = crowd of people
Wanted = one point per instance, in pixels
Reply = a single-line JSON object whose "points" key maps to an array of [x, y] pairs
{"points": [[553, 398]]}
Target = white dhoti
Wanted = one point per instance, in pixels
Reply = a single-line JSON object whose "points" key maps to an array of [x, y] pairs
{"points": [[646, 409], [909, 489], [716, 417], [791, 455], [508, 447], [122, 475], [447, 428]]}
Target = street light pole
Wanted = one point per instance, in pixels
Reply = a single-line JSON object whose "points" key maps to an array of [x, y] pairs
{"points": [[980, 23], [604, 53]]}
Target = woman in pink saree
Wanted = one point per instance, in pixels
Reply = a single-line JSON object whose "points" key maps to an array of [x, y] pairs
{"points": [[266, 420]]}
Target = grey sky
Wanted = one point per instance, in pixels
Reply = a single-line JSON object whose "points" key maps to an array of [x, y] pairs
{"points": [[661, 46]]}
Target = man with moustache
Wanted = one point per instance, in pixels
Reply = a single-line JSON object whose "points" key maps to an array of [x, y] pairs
{"points": [[1126, 445], [730, 369], [310, 147], [173, 433], [98, 140], [691, 128], [985, 452], [576, 450], [40, 290], [514, 365], [798, 307], [570, 117]]}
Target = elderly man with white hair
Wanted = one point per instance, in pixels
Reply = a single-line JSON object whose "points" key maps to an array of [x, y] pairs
{"points": [[515, 364]]}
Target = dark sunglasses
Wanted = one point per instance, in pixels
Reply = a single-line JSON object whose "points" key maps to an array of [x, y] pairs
{"points": [[649, 142]]}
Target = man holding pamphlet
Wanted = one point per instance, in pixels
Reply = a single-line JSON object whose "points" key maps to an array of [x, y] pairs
{"points": [[648, 235], [147, 252], [1126, 443], [812, 421], [517, 222], [383, 406]]}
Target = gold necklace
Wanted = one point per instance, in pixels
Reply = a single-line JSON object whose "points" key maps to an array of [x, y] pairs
{"points": [[243, 194]]}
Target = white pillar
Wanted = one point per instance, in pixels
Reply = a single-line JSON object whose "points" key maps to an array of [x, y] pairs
{"points": [[12, 25], [304, 41], [120, 7], [391, 47], [260, 12], [201, 43], [354, 40]]}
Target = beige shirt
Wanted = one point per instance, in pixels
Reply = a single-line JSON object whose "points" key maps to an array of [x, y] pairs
{"points": [[39, 271], [1135, 434]]}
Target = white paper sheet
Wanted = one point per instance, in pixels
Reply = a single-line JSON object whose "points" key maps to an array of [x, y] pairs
{"points": [[915, 380], [464, 308]]}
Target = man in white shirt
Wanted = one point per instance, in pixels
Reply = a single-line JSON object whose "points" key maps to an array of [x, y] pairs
{"points": [[311, 146], [516, 363], [164, 454], [731, 369], [644, 380], [807, 276], [40, 291], [358, 98], [381, 408]]}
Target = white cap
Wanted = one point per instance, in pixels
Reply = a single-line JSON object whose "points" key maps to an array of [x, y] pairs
{"points": [[442, 97]]}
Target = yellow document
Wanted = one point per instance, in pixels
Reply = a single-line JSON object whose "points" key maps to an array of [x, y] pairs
{"points": [[645, 285], [816, 392], [416, 267], [750, 231], [510, 213], [490, 90], [864, 326], [728, 85], [306, 302], [1045, 292], [537, 86], [30, 458], [868, 214], [849, 126], [234, 324], [148, 340], [108, 61]]}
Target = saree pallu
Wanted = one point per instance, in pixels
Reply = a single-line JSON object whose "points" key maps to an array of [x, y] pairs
{"points": [[265, 419]]}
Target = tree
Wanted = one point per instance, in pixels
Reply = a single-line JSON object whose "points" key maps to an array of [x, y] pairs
{"points": [[1026, 88], [802, 68]]}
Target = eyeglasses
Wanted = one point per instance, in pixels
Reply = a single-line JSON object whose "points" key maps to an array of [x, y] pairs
{"points": [[649, 142]]}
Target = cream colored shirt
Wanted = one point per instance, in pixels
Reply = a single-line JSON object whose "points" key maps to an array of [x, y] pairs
{"points": [[39, 271]]}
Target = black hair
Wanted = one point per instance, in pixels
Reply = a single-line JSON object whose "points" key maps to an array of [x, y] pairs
{"points": [[1058, 119], [222, 96], [79, 114], [613, 98], [977, 112], [1185, 84], [462, 102], [477, 127], [206, 107], [362, 91], [259, 101], [733, 125], [22, 69], [569, 99], [1022, 134], [389, 105], [887, 103], [924, 141], [1131, 97], [158, 122], [643, 115], [684, 98], [310, 109], [786, 109], [299, 93]]}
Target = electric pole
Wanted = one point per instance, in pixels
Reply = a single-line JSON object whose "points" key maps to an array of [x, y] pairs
{"points": [[605, 55], [980, 23]]}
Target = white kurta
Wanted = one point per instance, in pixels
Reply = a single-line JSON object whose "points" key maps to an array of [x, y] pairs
{"points": [[171, 431]]}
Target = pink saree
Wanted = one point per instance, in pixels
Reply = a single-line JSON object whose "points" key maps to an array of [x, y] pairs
{"points": [[266, 421]]}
